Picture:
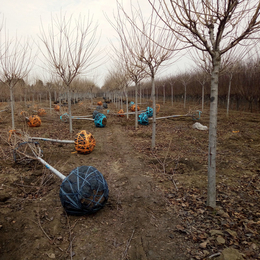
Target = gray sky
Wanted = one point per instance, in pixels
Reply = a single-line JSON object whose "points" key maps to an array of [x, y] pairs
{"points": [[23, 18]]}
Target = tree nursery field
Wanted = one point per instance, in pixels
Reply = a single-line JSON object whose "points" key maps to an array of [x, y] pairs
{"points": [[156, 208]]}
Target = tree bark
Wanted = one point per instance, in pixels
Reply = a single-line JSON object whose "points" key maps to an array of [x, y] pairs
{"points": [[154, 113], [212, 149]]}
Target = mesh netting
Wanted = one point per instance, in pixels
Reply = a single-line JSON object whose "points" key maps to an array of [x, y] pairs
{"points": [[34, 121], [143, 119], [132, 108], [120, 113], [149, 111], [41, 112], [65, 117], [104, 105], [95, 113], [100, 120], [131, 103], [99, 108], [84, 142], [84, 191]]}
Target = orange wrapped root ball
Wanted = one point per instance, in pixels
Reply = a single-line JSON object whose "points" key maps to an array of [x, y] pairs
{"points": [[132, 108], [41, 112], [84, 142], [34, 121], [157, 108], [99, 103], [120, 112], [57, 108]]}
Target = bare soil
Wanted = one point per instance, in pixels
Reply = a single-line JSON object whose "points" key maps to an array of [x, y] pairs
{"points": [[157, 198]]}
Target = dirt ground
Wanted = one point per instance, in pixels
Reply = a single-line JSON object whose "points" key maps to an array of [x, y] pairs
{"points": [[157, 198]]}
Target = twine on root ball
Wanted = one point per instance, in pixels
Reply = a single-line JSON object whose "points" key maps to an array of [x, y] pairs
{"points": [[84, 191], [104, 105], [34, 121], [41, 112], [143, 119], [121, 113], [84, 142], [149, 111], [100, 120], [99, 108], [132, 108]]}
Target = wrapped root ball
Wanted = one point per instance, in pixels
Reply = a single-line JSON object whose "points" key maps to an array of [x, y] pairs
{"points": [[143, 119], [132, 108], [121, 113], [34, 121], [131, 103], [95, 113], [104, 105], [65, 117], [41, 112], [84, 191], [57, 108], [99, 103], [84, 142], [149, 111], [158, 108], [100, 120]]}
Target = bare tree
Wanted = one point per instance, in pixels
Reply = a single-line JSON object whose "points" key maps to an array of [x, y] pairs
{"points": [[141, 37], [214, 27], [69, 49], [16, 62]]}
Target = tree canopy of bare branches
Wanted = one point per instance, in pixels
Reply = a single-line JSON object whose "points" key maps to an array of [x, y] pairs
{"points": [[70, 46]]}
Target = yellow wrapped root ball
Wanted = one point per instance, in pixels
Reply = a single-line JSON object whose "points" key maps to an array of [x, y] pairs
{"points": [[84, 142], [157, 108], [34, 121]]}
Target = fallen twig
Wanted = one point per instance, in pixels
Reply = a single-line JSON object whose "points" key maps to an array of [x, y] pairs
{"points": [[127, 246]]}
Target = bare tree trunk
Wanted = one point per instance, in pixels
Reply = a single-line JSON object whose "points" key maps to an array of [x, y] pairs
{"points": [[69, 109], [185, 93], [228, 96], [164, 94], [212, 149], [126, 94], [203, 97], [12, 105], [50, 100], [136, 115], [172, 94], [154, 113]]}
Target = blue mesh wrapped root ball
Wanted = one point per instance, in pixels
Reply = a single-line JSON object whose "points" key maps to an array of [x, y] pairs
{"points": [[143, 119], [149, 111], [100, 120], [84, 191]]}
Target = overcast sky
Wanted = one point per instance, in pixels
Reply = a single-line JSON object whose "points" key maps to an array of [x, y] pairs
{"points": [[24, 19]]}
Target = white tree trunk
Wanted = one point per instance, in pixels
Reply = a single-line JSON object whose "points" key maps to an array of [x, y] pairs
{"points": [[136, 115], [50, 100], [212, 148], [228, 96], [202, 98], [154, 113], [12, 105], [69, 110]]}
